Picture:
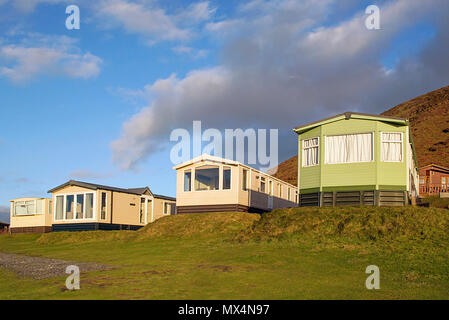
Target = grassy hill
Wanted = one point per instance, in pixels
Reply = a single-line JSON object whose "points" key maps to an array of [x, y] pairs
{"points": [[300, 253], [429, 120]]}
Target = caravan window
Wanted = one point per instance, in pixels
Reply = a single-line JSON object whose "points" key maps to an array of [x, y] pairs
{"points": [[245, 180], [207, 178], [69, 201], [226, 178], [187, 181], [29, 207], [262, 185], [310, 152], [392, 146], [349, 148], [59, 207]]}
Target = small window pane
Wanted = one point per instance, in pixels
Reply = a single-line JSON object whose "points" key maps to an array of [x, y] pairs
{"points": [[187, 181], [79, 206], [310, 153], [70, 202], [40, 206], [142, 210], [391, 146], [20, 208], [262, 185], [89, 213], [59, 207], [245, 180], [103, 205], [226, 178]]}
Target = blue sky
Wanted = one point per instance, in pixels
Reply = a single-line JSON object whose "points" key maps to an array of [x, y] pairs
{"points": [[98, 104]]}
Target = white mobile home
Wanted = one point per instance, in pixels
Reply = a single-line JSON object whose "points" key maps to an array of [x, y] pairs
{"points": [[213, 184]]}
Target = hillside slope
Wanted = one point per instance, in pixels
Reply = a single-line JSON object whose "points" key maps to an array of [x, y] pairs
{"points": [[429, 120]]}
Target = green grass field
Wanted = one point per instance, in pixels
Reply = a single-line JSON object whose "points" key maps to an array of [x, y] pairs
{"points": [[287, 254]]}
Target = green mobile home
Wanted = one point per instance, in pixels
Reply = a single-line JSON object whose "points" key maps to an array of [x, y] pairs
{"points": [[357, 159]]}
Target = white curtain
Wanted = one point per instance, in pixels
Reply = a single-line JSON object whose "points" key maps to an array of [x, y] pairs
{"points": [[349, 148], [310, 152], [391, 146]]}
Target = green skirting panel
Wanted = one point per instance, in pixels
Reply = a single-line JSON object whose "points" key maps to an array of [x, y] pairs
{"points": [[384, 198]]}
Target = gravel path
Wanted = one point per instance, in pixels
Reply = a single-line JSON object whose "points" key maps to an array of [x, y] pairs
{"points": [[41, 268]]}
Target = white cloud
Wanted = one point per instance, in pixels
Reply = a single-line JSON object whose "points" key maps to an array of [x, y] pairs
{"points": [[196, 12], [286, 66], [36, 55], [192, 52], [150, 21]]}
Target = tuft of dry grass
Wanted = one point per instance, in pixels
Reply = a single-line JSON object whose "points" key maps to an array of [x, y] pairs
{"points": [[436, 202]]}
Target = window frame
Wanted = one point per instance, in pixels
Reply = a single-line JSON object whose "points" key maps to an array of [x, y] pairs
{"points": [[264, 181], [222, 178], [34, 213], [245, 179], [106, 206], [207, 165], [390, 141], [310, 147], [349, 134], [169, 204], [64, 206], [191, 180], [143, 211]]}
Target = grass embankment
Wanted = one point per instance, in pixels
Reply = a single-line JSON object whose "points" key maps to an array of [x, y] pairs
{"points": [[436, 202], [286, 254]]}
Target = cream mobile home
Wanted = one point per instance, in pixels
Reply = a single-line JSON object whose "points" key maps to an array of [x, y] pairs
{"points": [[80, 206], [30, 215], [212, 184]]}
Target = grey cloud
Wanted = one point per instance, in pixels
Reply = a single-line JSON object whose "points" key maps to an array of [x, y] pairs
{"points": [[279, 73]]}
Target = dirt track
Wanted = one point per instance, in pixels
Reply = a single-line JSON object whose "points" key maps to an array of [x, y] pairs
{"points": [[41, 268]]}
